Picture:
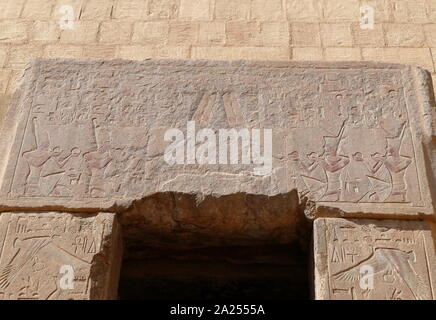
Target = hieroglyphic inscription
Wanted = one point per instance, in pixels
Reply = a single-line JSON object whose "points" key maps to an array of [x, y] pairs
{"points": [[35, 246], [399, 254], [95, 131]]}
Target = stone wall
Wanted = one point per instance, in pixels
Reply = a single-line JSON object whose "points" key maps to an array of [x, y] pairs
{"points": [[329, 30], [349, 145], [404, 31]]}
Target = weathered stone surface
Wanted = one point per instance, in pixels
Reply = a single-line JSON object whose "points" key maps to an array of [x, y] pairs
{"points": [[90, 134], [180, 220], [401, 254], [35, 247]]}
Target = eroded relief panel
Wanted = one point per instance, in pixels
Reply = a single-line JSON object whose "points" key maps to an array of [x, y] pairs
{"points": [[340, 135], [58, 256], [398, 255]]}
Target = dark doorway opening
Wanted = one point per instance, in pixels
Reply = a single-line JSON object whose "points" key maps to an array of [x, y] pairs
{"points": [[266, 272], [183, 246]]}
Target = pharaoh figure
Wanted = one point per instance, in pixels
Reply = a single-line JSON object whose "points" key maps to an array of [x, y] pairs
{"points": [[97, 162], [333, 163], [116, 171], [396, 165], [36, 159], [294, 169]]}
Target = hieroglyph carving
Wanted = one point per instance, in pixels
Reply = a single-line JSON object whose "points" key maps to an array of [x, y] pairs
{"points": [[397, 257], [38, 249]]}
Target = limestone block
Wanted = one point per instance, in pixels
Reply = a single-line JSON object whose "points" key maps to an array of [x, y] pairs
{"points": [[410, 10], [243, 33], [430, 34], [351, 137], [232, 10], [63, 50], [130, 9], [306, 53], [96, 10], [272, 11], [45, 31], [83, 32], [3, 55], [212, 33], [182, 33], [336, 35], [115, 32], [342, 54], [150, 32], [305, 34], [162, 10], [304, 10], [368, 37], [415, 56], [364, 259], [14, 77], [237, 53], [274, 34], [404, 35], [13, 32], [58, 11], [4, 80], [341, 10], [97, 51], [11, 9], [37, 9], [195, 9], [19, 55], [59, 256], [383, 10]]}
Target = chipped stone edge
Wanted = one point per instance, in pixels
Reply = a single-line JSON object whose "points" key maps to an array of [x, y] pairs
{"points": [[111, 255]]}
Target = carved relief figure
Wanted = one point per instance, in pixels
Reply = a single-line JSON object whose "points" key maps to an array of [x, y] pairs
{"points": [[333, 164], [308, 177], [37, 159], [296, 179], [397, 165], [97, 161], [328, 188]]}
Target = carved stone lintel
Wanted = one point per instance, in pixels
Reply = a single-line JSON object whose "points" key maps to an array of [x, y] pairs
{"points": [[91, 135]]}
